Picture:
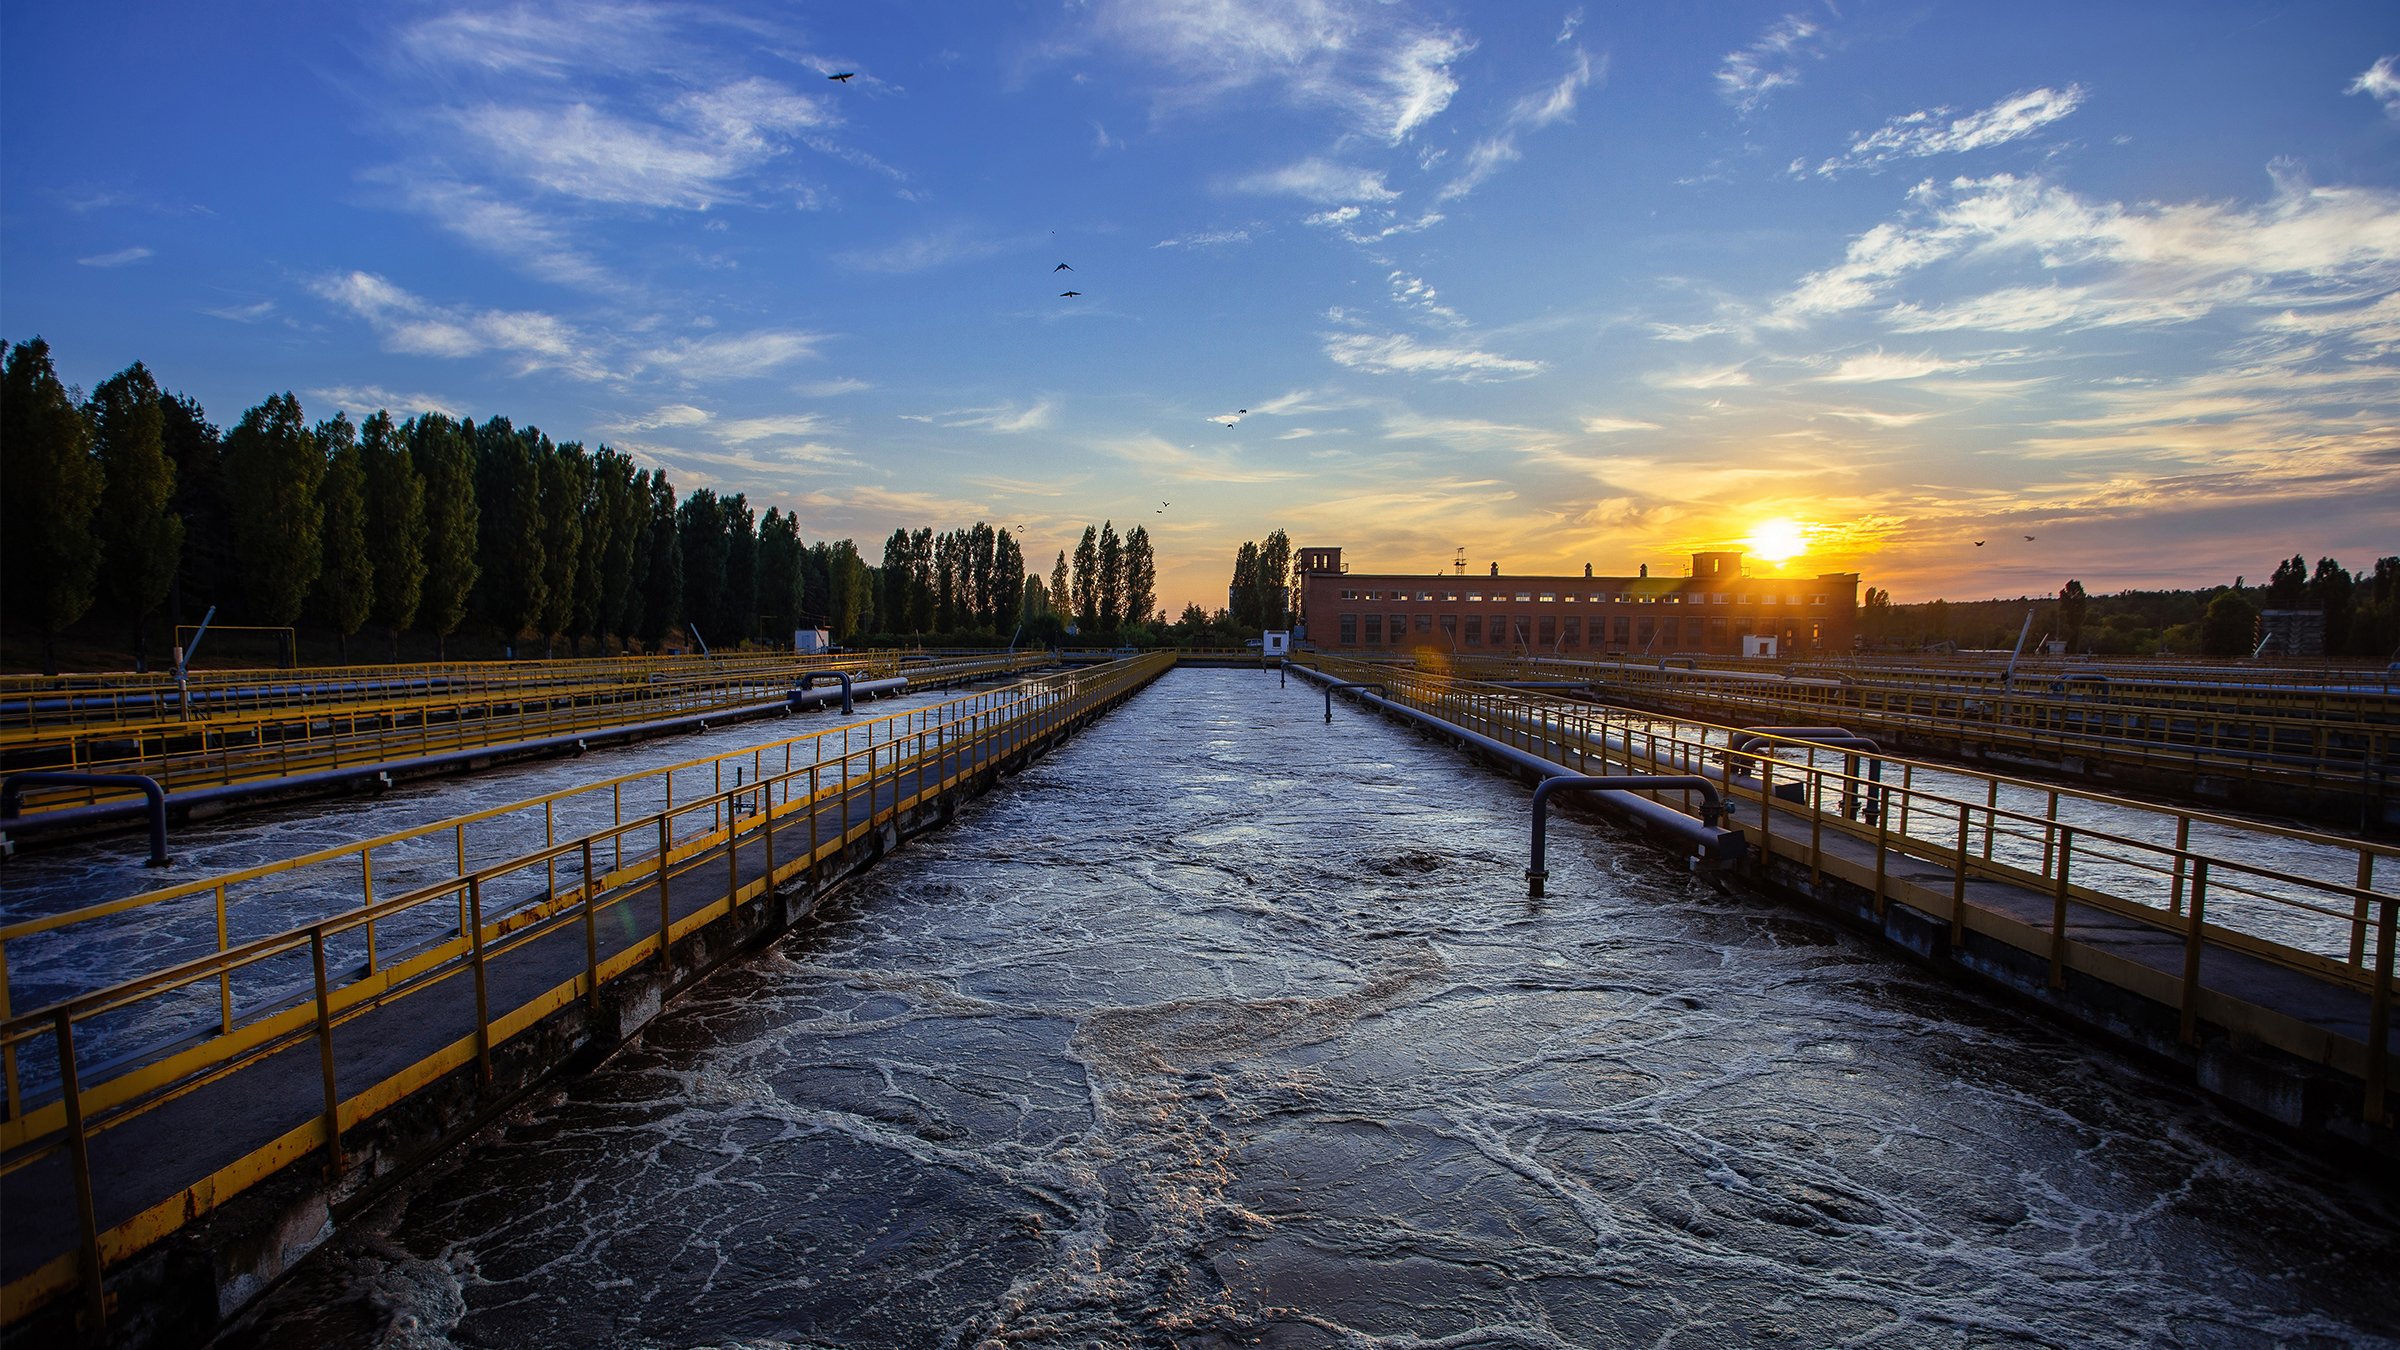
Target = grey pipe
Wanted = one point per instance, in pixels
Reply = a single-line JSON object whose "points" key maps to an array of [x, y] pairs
{"points": [[1834, 738], [808, 680], [12, 794], [1333, 685], [1712, 810]]}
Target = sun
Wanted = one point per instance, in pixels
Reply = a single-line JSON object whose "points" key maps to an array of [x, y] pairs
{"points": [[1778, 541]]}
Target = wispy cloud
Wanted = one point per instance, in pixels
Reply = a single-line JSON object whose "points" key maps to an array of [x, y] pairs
{"points": [[119, 258], [732, 355], [1207, 239], [922, 253], [1539, 109], [412, 325], [1400, 354], [1318, 180], [1004, 418], [1870, 367], [1610, 426], [1935, 131], [1383, 74], [1747, 77], [2380, 82], [250, 313], [1704, 377], [361, 400]]}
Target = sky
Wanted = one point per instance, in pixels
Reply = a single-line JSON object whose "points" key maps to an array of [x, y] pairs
{"points": [[2113, 288]]}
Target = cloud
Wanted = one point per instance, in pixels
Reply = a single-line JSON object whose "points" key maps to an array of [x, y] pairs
{"points": [[689, 154], [1609, 426], [1869, 367], [2380, 82], [921, 253], [1921, 134], [832, 388], [1773, 62], [1539, 109], [1400, 354], [733, 355], [418, 327], [250, 313], [504, 228], [1004, 418], [119, 258], [669, 415], [1385, 76], [1207, 239], [367, 399], [1318, 180], [1707, 377], [2151, 261]]}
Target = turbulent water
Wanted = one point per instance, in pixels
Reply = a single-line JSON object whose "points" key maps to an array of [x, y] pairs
{"points": [[1222, 1026]]}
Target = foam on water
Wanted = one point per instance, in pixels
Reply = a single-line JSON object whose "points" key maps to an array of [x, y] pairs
{"points": [[1222, 1026]]}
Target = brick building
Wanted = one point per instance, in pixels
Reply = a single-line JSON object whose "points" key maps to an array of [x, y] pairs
{"points": [[1710, 612]]}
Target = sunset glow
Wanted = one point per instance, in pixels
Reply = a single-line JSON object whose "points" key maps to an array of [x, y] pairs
{"points": [[1777, 541]]}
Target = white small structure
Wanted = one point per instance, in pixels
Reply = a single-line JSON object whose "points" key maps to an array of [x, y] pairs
{"points": [[1758, 644], [811, 641], [1278, 641]]}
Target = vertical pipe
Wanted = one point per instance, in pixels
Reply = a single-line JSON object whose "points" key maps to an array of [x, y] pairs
{"points": [[550, 841], [1958, 886], [333, 1100], [483, 1012], [2193, 941], [366, 868], [1991, 814], [1883, 836], [79, 1157], [2358, 907], [1766, 802], [665, 915], [2379, 1017], [2183, 841], [2058, 909], [224, 976]]}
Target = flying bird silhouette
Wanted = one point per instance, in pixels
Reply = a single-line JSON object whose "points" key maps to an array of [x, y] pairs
{"points": [[1979, 543], [1241, 410], [1064, 295], [844, 77], [2029, 539], [1062, 267]]}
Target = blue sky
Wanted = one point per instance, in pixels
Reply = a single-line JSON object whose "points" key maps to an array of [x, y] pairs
{"points": [[1554, 285]]}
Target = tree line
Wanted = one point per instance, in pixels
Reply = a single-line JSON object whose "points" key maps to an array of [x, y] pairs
{"points": [[2361, 613], [130, 502]]}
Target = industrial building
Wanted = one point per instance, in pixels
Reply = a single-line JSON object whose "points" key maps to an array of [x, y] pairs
{"points": [[1718, 610]]}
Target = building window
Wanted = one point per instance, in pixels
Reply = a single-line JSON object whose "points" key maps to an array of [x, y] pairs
{"points": [[1450, 629], [1772, 597], [1475, 595], [1573, 636], [1720, 598], [1399, 629], [1548, 597], [1549, 632], [1522, 634], [1816, 599], [1474, 630], [1749, 600], [1716, 634], [1374, 630], [1621, 630], [1523, 596], [1424, 625], [1648, 633], [1349, 630], [1691, 632]]}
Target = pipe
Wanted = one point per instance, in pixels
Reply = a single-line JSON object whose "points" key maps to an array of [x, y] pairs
{"points": [[809, 679], [1834, 738], [12, 794], [1724, 844], [1712, 810], [1330, 687]]}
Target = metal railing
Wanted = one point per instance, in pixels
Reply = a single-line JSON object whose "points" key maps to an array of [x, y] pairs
{"points": [[304, 987]]}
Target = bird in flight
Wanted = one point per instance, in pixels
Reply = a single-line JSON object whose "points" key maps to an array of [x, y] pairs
{"points": [[844, 77], [1979, 543], [1241, 410], [1066, 295], [2029, 539], [1062, 267]]}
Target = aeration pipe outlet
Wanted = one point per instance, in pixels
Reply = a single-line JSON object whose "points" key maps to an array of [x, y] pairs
{"points": [[12, 794], [1364, 685], [1725, 847]]}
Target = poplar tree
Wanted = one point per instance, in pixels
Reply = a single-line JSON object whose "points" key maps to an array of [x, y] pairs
{"points": [[508, 494], [739, 604], [1141, 576], [1062, 598], [1274, 580], [204, 576], [850, 599], [49, 487], [779, 573], [1008, 584], [1242, 595], [442, 451], [899, 577], [396, 543], [588, 616], [274, 468], [1109, 595], [662, 588], [621, 495], [566, 480], [701, 522], [140, 539], [1087, 580], [346, 582]]}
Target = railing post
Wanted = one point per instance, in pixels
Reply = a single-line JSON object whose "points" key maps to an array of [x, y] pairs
{"points": [[666, 916], [2358, 907], [733, 853], [8, 1047], [1958, 886], [2193, 941], [1883, 839], [79, 1156], [1766, 801], [366, 869], [1816, 823], [591, 930], [2058, 906], [483, 1012], [224, 976], [2183, 841], [2379, 1017], [333, 1100]]}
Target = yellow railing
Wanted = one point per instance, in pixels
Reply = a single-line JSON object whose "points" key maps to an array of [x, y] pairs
{"points": [[227, 748], [2200, 877], [893, 763]]}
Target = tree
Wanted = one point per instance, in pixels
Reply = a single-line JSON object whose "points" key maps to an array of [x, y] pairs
{"points": [[396, 546], [2289, 584], [1062, 597], [589, 616], [740, 603], [851, 597], [2230, 627], [779, 573], [346, 580], [566, 484], [2072, 605], [442, 452], [49, 487], [1242, 592], [274, 467], [701, 522], [508, 492], [612, 547], [140, 539], [899, 580], [197, 450], [1087, 580], [1274, 581], [1141, 576], [1109, 595], [2331, 591], [662, 588]]}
